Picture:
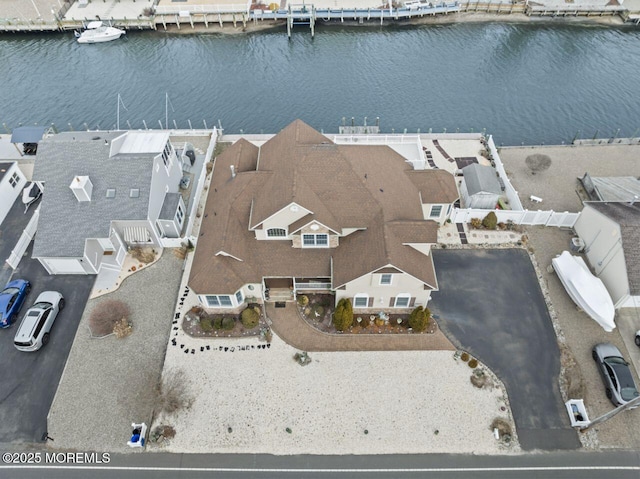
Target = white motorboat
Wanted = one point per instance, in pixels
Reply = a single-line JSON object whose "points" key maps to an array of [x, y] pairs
{"points": [[97, 32], [585, 289]]}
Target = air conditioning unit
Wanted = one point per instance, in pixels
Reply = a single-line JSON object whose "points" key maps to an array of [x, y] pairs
{"points": [[577, 245]]}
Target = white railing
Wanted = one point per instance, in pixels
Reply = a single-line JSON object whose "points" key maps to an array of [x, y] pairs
{"points": [[23, 243], [376, 139], [313, 285], [203, 9], [520, 217]]}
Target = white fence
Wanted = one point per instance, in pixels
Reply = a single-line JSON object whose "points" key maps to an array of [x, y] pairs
{"points": [[376, 139], [23, 243], [521, 217], [203, 9], [512, 194]]}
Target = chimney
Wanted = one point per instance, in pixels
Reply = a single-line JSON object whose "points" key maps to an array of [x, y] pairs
{"points": [[233, 172], [82, 188]]}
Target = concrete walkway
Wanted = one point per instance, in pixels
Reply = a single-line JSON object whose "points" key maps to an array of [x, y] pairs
{"points": [[287, 323]]}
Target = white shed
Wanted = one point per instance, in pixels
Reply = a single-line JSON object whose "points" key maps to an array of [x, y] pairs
{"points": [[12, 181], [480, 187]]}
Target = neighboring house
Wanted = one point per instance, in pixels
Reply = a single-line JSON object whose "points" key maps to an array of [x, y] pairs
{"points": [[12, 181], [302, 214], [480, 187], [105, 192], [611, 234]]}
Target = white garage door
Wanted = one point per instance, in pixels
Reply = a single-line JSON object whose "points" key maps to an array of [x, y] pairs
{"points": [[65, 266]]}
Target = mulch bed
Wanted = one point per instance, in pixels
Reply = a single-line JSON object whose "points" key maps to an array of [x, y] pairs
{"points": [[191, 325], [323, 322]]}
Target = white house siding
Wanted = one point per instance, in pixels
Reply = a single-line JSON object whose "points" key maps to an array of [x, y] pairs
{"points": [[9, 193], [603, 248], [281, 219], [163, 182], [444, 212], [382, 294]]}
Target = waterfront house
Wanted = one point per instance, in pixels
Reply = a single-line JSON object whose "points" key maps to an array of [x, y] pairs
{"points": [[104, 193], [301, 214], [611, 235], [12, 181]]}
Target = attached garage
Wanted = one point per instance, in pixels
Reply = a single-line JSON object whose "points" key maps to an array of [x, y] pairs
{"points": [[63, 265]]}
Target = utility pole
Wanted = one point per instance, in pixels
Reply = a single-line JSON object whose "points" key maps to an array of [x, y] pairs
{"points": [[635, 402]]}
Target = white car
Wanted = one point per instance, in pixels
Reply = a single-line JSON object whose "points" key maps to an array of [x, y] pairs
{"points": [[36, 324]]}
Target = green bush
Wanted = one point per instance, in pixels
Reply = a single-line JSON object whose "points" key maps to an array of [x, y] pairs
{"points": [[205, 324], [464, 357], [228, 324], [217, 323], [490, 221], [475, 223], [303, 300], [318, 310], [343, 315], [250, 318], [419, 319]]}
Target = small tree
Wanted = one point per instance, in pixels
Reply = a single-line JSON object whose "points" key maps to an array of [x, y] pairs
{"points": [[490, 221], [419, 319], [250, 318], [343, 315]]}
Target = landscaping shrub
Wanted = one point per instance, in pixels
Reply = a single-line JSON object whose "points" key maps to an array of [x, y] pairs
{"points": [[343, 315], [490, 221], [419, 319], [318, 310], [228, 323], [122, 328], [162, 432], [464, 357], [366, 322], [303, 300], [326, 301], [206, 324], [217, 323], [473, 363], [144, 254], [476, 223], [105, 315], [250, 318], [172, 394]]}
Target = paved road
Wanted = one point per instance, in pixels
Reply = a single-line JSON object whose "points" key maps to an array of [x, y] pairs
{"points": [[490, 304], [28, 381], [618, 464]]}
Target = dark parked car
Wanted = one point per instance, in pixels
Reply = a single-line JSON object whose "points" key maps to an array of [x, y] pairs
{"points": [[615, 372], [11, 300]]}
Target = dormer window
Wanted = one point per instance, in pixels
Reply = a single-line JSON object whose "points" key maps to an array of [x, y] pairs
{"points": [[276, 233], [320, 240]]}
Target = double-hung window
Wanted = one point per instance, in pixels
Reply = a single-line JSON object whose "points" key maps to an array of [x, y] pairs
{"points": [[219, 301], [317, 240], [276, 233], [361, 300], [402, 300], [385, 278], [436, 211]]}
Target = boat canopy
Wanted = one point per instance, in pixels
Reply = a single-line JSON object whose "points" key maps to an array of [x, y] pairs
{"points": [[93, 25]]}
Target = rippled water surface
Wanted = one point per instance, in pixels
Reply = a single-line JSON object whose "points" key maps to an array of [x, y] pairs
{"points": [[523, 83]]}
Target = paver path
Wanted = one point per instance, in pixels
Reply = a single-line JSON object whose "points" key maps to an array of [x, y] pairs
{"points": [[287, 323]]}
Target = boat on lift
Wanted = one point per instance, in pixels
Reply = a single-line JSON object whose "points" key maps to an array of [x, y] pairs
{"points": [[98, 32], [585, 289]]}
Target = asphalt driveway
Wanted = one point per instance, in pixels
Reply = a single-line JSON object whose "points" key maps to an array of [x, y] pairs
{"points": [[28, 381], [490, 304]]}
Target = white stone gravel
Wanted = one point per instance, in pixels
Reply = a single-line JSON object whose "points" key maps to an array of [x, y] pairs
{"points": [[401, 398]]}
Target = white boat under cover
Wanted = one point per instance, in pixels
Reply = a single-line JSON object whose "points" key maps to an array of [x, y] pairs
{"points": [[97, 32], [585, 289]]}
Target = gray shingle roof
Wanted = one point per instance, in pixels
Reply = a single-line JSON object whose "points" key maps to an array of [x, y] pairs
{"points": [[480, 178], [64, 222], [169, 206], [628, 217]]}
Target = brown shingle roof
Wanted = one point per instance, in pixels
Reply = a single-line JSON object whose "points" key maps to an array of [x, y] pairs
{"points": [[435, 186], [350, 186]]}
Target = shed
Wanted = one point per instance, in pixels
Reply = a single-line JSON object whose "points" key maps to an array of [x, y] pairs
{"points": [[480, 187]]}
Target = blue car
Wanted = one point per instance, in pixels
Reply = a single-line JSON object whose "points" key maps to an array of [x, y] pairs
{"points": [[11, 300]]}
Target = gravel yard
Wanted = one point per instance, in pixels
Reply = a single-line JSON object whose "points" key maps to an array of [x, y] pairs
{"points": [[109, 383], [246, 396]]}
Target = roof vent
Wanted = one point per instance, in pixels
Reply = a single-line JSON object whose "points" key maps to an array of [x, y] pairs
{"points": [[82, 188], [111, 192], [134, 193]]}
